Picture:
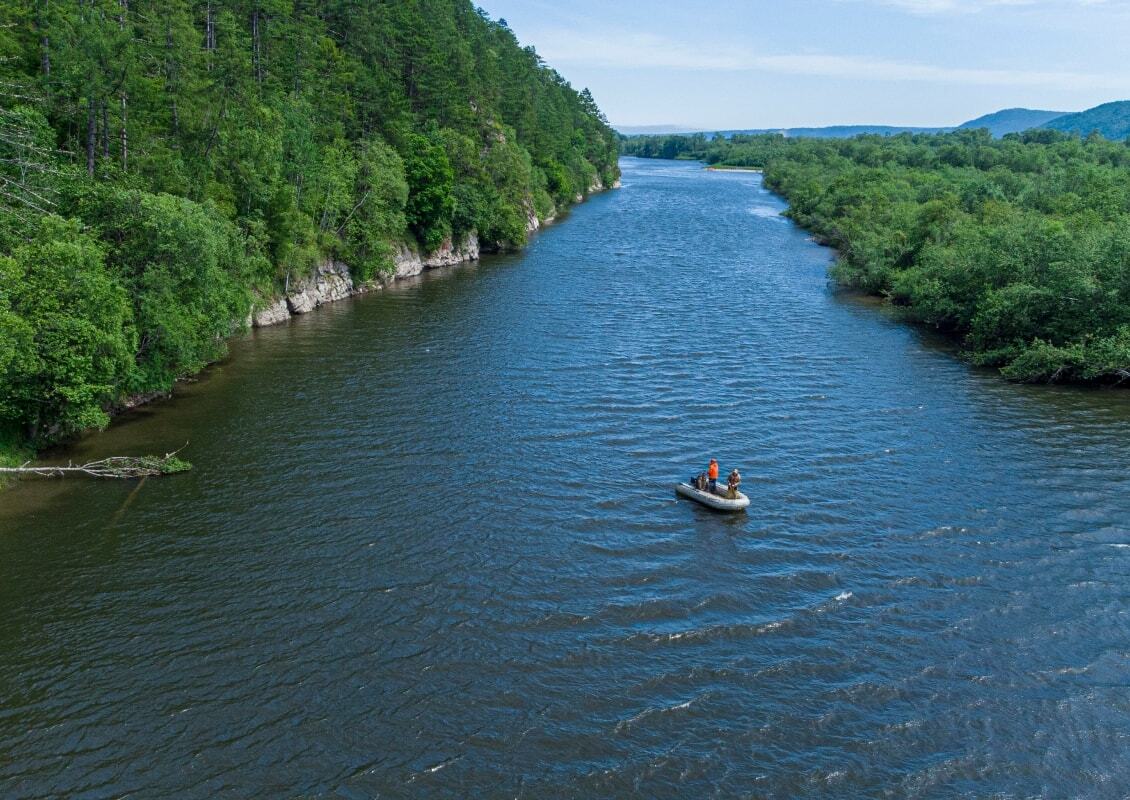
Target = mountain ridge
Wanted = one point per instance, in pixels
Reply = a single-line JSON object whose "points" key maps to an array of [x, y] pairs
{"points": [[1112, 120], [1012, 120]]}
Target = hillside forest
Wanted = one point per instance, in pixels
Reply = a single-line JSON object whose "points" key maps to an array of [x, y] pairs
{"points": [[166, 165]]}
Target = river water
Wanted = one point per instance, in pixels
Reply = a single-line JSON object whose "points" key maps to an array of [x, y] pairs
{"points": [[430, 548]]}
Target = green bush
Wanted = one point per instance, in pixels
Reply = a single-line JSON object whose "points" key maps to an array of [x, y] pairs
{"points": [[189, 274], [67, 335]]}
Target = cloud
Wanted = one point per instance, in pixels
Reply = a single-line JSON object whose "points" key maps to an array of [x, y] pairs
{"points": [[633, 50]]}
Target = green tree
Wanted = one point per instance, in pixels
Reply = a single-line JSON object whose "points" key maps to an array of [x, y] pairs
{"points": [[378, 217], [68, 334], [430, 184]]}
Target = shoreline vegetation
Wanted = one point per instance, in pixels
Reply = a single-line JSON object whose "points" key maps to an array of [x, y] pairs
{"points": [[1018, 248], [727, 168], [172, 179]]}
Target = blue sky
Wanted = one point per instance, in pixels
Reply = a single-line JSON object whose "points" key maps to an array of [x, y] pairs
{"points": [[791, 63]]}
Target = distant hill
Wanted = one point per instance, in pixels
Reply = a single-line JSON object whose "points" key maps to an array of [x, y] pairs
{"points": [[652, 130], [1112, 120], [834, 131], [1000, 123], [1013, 120]]}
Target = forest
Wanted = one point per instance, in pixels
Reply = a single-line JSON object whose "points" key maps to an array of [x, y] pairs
{"points": [[166, 165], [1018, 247]]}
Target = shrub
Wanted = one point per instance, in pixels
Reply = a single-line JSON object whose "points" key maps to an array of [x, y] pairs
{"points": [[67, 333]]}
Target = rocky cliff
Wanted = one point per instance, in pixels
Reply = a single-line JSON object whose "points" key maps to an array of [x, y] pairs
{"points": [[410, 263], [332, 280]]}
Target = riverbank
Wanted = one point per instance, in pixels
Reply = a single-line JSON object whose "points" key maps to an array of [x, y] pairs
{"points": [[331, 281], [984, 241], [728, 168], [12, 455]]}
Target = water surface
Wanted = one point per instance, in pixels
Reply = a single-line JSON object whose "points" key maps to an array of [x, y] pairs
{"points": [[429, 548]]}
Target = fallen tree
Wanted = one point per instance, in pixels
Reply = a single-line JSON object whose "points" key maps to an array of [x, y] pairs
{"points": [[112, 467]]}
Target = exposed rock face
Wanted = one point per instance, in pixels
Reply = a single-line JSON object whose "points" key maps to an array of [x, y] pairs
{"points": [[449, 255], [331, 281], [410, 263], [135, 400], [273, 314], [532, 221], [302, 302]]}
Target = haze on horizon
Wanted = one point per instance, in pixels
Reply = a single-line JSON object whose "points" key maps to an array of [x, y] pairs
{"points": [[806, 63]]}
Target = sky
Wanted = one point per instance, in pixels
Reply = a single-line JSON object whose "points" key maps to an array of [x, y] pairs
{"points": [[728, 64]]}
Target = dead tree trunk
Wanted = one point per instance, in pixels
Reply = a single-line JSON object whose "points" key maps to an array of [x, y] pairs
{"points": [[256, 51], [298, 67], [171, 74], [113, 467], [123, 6], [44, 40], [209, 33], [125, 133], [105, 131], [90, 136]]}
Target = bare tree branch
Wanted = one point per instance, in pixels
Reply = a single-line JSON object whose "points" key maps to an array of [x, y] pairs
{"points": [[113, 467]]}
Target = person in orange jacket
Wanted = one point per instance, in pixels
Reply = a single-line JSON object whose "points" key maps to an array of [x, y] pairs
{"points": [[712, 474]]}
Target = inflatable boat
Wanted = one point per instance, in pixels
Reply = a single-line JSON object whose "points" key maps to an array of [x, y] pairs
{"points": [[716, 501]]}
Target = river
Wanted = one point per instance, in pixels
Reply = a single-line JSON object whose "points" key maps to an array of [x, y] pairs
{"points": [[430, 548]]}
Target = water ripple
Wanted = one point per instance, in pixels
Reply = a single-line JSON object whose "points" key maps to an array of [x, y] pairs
{"points": [[430, 547]]}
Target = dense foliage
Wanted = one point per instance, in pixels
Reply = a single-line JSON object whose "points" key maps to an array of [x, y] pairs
{"points": [[1020, 246], [164, 164], [739, 150]]}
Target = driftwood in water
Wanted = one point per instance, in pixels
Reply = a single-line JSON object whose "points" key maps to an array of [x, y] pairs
{"points": [[113, 467]]}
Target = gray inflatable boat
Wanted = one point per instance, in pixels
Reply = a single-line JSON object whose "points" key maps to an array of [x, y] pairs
{"points": [[718, 502]]}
